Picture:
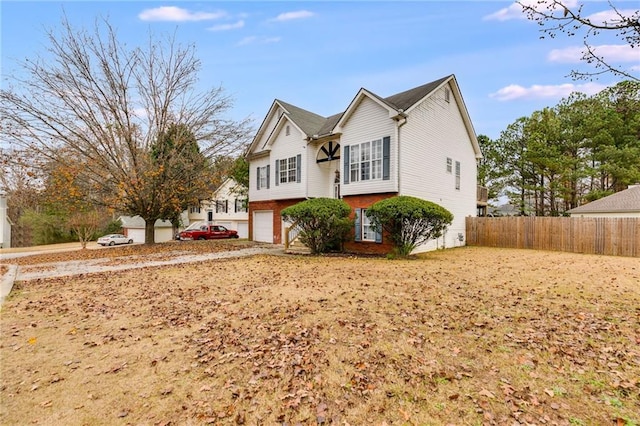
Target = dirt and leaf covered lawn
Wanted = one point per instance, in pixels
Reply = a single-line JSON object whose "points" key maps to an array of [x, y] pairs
{"points": [[467, 336]]}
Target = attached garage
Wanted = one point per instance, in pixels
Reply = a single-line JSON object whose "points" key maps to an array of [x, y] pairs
{"points": [[263, 226], [243, 229]]}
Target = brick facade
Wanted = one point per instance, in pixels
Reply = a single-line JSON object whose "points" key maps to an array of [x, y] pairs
{"points": [[277, 206], [354, 201], [363, 202]]}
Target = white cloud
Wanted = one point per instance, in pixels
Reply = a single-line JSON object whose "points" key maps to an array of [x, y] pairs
{"points": [[258, 40], [227, 27], [610, 52], [515, 91], [289, 16], [514, 11], [609, 16], [172, 13]]}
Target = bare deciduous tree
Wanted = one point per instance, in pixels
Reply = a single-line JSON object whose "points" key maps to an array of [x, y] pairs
{"points": [[559, 17], [104, 104]]}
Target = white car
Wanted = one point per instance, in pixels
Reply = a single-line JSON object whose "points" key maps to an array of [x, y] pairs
{"points": [[113, 239]]}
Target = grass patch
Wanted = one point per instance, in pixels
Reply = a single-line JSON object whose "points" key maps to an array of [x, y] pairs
{"points": [[464, 336]]}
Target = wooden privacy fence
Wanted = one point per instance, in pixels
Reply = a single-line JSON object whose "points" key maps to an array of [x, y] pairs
{"points": [[594, 235]]}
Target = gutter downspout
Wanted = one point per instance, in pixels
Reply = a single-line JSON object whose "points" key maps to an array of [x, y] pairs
{"points": [[401, 120]]}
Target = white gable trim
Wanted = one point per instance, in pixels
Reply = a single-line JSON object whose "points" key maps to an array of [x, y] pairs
{"points": [[278, 127], [263, 127], [362, 93]]}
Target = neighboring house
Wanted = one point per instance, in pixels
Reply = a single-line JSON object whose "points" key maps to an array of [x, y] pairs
{"points": [[196, 214], [229, 209], [621, 204], [5, 224], [419, 142], [226, 208], [133, 227]]}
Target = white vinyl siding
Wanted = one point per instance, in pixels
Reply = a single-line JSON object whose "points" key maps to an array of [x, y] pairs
{"points": [[229, 206], [288, 182], [435, 132], [369, 122], [320, 176], [263, 193]]}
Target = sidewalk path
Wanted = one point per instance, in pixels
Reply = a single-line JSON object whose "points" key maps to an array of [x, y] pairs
{"points": [[77, 267]]}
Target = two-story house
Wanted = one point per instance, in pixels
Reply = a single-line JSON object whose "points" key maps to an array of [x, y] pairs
{"points": [[227, 207], [420, 142]]}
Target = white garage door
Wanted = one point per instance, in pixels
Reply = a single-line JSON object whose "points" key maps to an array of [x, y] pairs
{"points": [[263, 226], [243, 229], [136, 234]]}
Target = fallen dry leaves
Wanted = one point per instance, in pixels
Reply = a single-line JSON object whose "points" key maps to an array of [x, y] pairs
{"points": [[463, 336], [121, 253]]}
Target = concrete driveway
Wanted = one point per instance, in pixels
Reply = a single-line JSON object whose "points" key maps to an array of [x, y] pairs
{"points": [[77, 267]]}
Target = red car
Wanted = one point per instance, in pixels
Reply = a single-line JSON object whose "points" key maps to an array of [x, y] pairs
{"points": [[207, 232]]}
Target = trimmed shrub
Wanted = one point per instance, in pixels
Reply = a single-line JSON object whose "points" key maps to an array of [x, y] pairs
{"points": [[409, 221], [324, 223]]}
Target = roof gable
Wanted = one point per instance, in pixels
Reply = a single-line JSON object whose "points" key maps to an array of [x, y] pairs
{"points": [[398, 105], [623, 201], [405, 100], [308, 122]]}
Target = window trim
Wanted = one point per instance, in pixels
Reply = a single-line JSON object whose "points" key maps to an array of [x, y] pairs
{"points": [[222, 206], [240, 205], [360, 213], [288, 170], [366, 161], [262, 177]]}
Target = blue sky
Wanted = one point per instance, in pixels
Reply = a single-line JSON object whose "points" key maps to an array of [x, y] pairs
{"points": [[317, 55]]}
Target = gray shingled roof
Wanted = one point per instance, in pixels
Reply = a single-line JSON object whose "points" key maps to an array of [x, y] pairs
{"points": [[404, 100], [623, 201], [314, 124], [308, 121]]}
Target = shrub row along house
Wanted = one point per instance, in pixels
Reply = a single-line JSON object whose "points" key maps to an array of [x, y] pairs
{"points": [[419, 142]]}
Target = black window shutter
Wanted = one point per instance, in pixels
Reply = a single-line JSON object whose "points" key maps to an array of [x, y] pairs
{"points": [[358, 229], [299, 168], [277, 172], [268, 176], [386, 148], [345, 156], [258, 178], [226, 206]]}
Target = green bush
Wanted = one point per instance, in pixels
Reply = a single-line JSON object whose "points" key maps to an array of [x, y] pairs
{"points": [[324, 223], [46, 228], [409, 221]]}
